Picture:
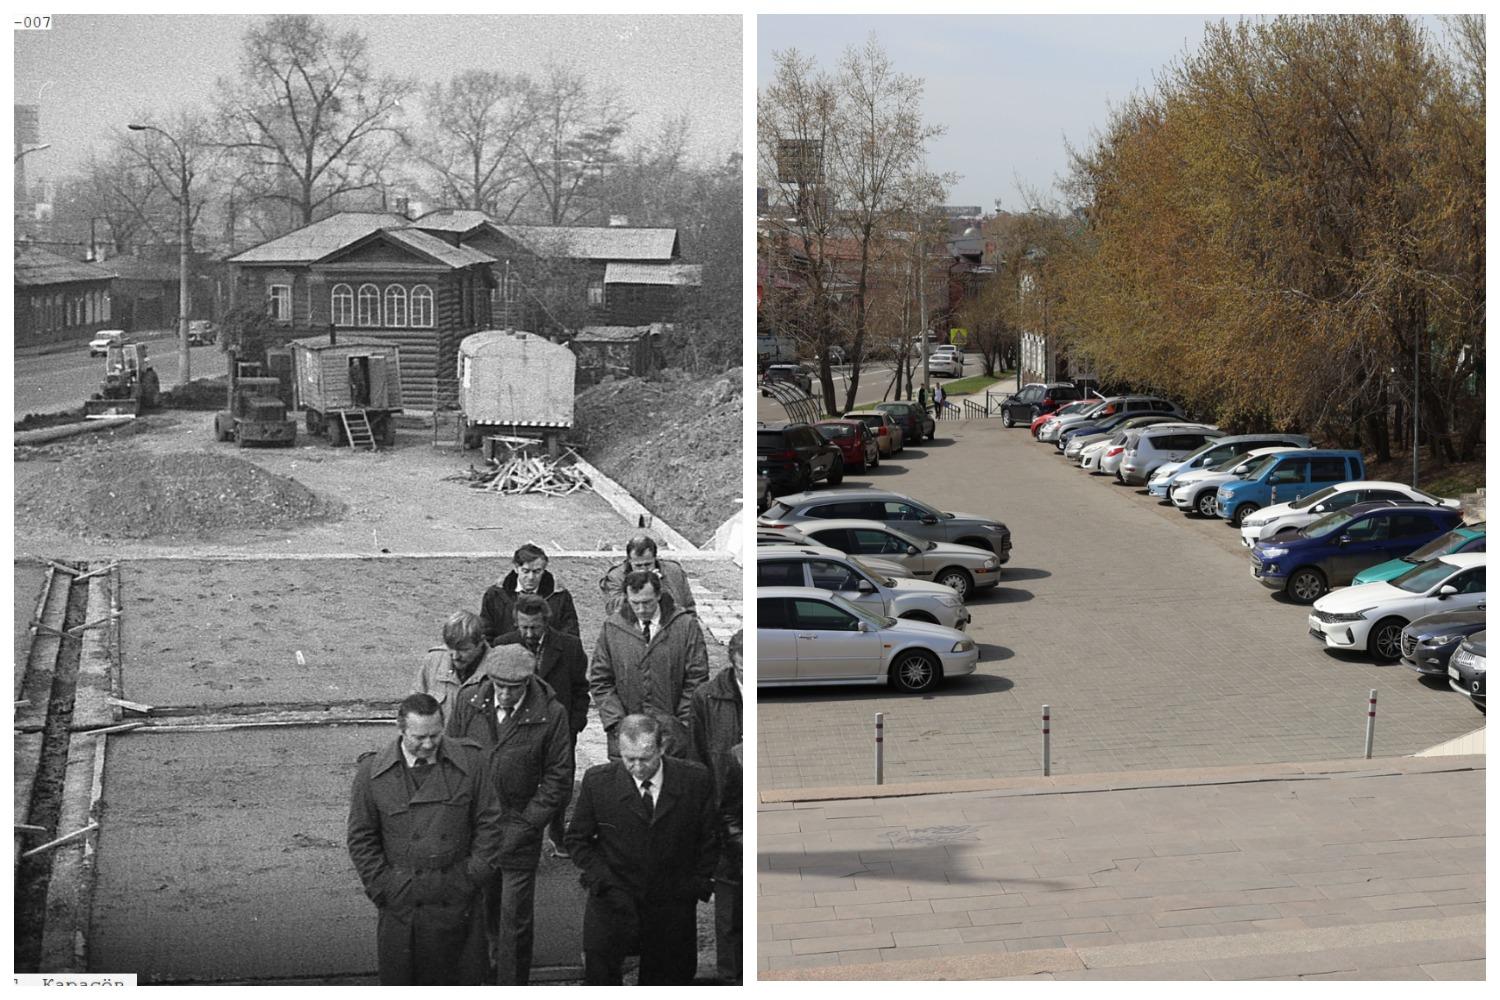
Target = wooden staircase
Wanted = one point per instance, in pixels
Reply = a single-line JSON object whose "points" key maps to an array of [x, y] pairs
{"points": [[357, 430]]}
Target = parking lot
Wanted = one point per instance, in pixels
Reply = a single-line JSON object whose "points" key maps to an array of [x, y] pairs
{"points": [[1142, 629]]}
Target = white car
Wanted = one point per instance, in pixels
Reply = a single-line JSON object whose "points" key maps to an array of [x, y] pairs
{"points": [[792, 538], [1158, 444], [854, 580], [1089, 456], [1196, 491], [103, 341], [950, 364], [965, 568], [810, 636], [1273, 520], [1371, 616]]}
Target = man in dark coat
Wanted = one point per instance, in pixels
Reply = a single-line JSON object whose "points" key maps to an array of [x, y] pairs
{"points": [[563, 665], [649, 658], [519, 720], [716, 733], [640, 554], [644, 835], [530, 576], [424, 835]]}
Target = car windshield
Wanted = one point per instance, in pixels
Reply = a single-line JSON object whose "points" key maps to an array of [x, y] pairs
{"points": [[1313, 498], [879, 578], [879, 621], [1328, 524], [1254, 468], [1424, 576], [1440, 546]]}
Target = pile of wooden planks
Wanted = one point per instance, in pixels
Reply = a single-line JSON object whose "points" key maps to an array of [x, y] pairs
{"points": [[521, 473]]}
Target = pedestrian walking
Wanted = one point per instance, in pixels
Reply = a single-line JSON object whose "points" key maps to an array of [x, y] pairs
{"points": [[644, 835], [717, 735], [528, 575], [641, 554], [423, 836], [939, 397], [458, 661]]}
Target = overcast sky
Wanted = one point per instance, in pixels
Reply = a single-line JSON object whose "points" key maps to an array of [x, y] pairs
{"points": [[95, 73], [1008, 88]]}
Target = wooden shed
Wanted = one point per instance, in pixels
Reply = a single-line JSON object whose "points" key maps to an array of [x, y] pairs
{"points": [[349, 386], [514, 382]]}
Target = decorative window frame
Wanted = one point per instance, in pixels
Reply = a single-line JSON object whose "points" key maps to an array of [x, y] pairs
{"points": [[425, 316], [367, 293], [395, 304], [341, 304], [279, 302]]}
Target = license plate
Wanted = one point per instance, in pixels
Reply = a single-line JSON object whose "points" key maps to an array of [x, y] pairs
{"points": [[1453, 672]]}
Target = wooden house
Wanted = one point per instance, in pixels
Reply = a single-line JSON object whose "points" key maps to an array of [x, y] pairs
{"points": [[373, 276], [59, 300]]}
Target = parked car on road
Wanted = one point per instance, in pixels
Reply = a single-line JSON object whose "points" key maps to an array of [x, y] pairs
{"points": [[795, 455], [889, 436], [1036, 399], [1428, 644], [1287, 476], [202, 331], [792, 538], [901, 512], [810, 636], [861, 452], [1466, 669], [917, 423], [964, 568], [1197, 492], [1308, 561], [1116, 409], [1270, 521], [1108, 424], [799, 375], [950, 365], [1067, 409], [1371, 616], [1147, 449], [855, 581], [1079, 442], [1464, 538], [1214, 453], [100, 345]]}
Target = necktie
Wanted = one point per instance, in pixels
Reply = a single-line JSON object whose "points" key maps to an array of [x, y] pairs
{"points": [[503, 714], [646, 799], [646, 631], [420, 770]]}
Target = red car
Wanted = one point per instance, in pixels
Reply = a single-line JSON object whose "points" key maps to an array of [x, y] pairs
{"points": [[861, 450], [1063, 411]]}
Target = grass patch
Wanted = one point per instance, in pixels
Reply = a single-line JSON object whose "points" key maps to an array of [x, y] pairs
{"points": [[972, 384]]}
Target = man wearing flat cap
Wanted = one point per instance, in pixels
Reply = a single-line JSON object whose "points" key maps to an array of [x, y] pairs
{"points": [[517, 718]]}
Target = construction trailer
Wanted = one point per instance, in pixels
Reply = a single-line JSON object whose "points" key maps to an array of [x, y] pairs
{"points": [[350, 388], [515, 383]]}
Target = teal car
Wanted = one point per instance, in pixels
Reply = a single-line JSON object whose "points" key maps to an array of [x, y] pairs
{"points": [[1464, 538]]}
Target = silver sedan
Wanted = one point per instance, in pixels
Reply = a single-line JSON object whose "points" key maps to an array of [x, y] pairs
{"points": [[965, 568]]}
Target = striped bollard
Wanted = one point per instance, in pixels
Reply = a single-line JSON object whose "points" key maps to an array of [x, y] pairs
{"points": [[1046, 741], [1370, 727], [879, 748]]}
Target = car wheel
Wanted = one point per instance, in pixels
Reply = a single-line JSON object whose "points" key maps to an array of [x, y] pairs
{"points": [[1385, 640], [1204, 504], [919, 616], [959, 579], [836, 474], [1306, 585], [1006, 418], [876, 463], [916, 671], [1243, 511]]}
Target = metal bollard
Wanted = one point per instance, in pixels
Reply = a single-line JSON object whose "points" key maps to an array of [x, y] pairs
{"points": [[1370, 727], [1046, 741], [879, 748]]}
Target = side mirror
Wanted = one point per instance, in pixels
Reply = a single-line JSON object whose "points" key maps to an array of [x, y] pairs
{"points": [[1320, 508], [1446, 591], [1343, 539], [912, 550], [862, 626], [865, 587]]}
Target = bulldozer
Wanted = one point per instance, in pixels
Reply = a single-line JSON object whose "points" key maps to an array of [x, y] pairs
{"points": [[130, 383], [257, 413]]}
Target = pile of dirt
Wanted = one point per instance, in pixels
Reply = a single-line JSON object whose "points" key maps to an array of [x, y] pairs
{"points": [[131, 494], [672, 440]]}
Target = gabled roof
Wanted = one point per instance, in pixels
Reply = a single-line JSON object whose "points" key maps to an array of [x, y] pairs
{"points": [[452, 220], [681, 275], [36, 267], [596, 242], [316, 241], [426, 244], [135, 269]]}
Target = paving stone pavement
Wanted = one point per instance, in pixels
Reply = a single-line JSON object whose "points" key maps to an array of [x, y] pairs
{"points": [[1141, 628], [1340, 870]]}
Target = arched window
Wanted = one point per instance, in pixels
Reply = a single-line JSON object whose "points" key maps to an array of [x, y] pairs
{"points": [[343, 305], [369, 305], [395, 305], [421, 306]]}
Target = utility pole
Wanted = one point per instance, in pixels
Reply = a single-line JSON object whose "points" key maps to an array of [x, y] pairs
{"points": [[1416, 404]]}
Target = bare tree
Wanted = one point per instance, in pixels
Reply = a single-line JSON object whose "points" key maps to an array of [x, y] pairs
{"points": [[308, 107], [480, 124], [573, 144], [118, 199]]}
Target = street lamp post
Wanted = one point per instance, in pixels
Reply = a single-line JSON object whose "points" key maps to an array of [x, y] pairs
{"points": [[184, 353]]}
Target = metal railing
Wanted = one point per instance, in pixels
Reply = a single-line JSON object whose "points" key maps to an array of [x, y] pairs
{"points": [[973, 411]]}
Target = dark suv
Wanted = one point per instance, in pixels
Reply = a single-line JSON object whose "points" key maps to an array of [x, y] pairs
{"points": [[799, 375], [793, 456], [1035, 399]]}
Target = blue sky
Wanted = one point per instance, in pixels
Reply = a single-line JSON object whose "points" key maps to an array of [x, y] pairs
{"points": [[1010, 89]]}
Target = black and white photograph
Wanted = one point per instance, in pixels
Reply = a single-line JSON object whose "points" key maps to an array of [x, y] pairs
{"points": [[378, 499]]}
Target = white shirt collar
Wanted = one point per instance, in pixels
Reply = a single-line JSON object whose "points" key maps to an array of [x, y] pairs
{"points": [[411, 759], [656, 781], [513, 709]]}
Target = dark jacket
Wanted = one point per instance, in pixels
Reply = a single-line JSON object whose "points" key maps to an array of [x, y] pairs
{"points": [[564, 666], [628, 675], [530, 763], [669, 857], [497, 610], [716, 725], [673, 579]]}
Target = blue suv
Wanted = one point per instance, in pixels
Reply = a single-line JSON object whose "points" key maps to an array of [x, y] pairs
{"points": [[1292, 474], [1331, 550]]}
